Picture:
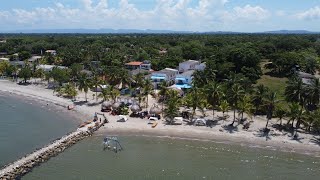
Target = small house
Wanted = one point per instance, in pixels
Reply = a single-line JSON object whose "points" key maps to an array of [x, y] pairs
{"points": [[133, 65], [51, 52], [188, 65], [184, 80], [168, 75]]}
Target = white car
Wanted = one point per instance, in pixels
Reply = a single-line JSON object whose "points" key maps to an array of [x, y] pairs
{"points": [[152, 120], [122, 118]]}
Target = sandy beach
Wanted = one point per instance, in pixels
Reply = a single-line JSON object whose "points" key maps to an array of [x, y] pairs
{"points": [[140, 127]]}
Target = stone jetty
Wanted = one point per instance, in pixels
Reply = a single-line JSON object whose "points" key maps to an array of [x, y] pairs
{"points": [[24, 165]]}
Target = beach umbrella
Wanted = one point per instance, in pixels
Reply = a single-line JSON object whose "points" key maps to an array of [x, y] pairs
{"points": [[135, 108], [116, 105], [155, 110]]}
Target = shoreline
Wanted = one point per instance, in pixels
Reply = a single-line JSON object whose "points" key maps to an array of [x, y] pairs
{"points": [[213, 138], [139, 127]]}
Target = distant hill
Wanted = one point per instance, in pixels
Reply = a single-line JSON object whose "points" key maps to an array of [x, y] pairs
{"points": [[147, 31], [291, 32]]}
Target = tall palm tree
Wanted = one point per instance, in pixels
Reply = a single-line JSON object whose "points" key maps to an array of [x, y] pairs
{"points": [[295, 90], [236, 93], [147, 89], [258, 96], [95, 81], [214, 93], [280, 113], [245, 106], [294, 112], [313, 92], [271, 100], [172, 106], [224, 107], [193, 99], [84, 83]]}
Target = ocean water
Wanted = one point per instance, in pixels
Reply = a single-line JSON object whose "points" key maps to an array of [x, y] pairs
{"points": [[26, 125], [162, 158]]}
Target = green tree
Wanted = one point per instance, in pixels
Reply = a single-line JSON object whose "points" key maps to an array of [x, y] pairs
{"points": [[280, 113], [295, 90], [84, 84], [271, 101], [245, 106], [236, 93], [172, 106], [258, 96], [147, 89], [25, 73], [214, 94], [224, 107]]}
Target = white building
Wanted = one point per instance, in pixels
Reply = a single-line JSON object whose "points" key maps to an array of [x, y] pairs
{"points": [[48, 68], [188, 65]]}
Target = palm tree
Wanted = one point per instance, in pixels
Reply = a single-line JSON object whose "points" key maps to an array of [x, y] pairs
{"points": [[245, 106], [84, 84], [295, 90], [294, 113], [95, 81], [147, 89], [193, 99], [280, 113], [214, 93], [172, 106], [162, 94], [236, 93], [313, 92], [114, 93], [258, 96], [224, 107], [271, 101]]}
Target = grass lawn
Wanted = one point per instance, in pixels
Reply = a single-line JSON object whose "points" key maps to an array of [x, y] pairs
{"points": [[275, 84]]}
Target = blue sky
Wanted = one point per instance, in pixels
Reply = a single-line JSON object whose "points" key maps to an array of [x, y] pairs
{"points": [[191, 15]]}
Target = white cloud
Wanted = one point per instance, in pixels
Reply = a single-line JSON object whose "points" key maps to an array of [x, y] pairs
{"points": [[249, 12], [166, 14], [310, 14]]}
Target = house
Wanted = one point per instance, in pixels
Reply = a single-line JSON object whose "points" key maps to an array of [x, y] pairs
{"points": [[305, 77], [146, 65], [52, 52], [4, 59], [3, 54], [18, 64], [34, 59], [168, 75], [3, 40], [48, 68], [188, 65], [133, 65], [200, 67], [184, 80]]}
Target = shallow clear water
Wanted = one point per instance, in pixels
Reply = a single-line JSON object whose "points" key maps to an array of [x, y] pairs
{"points": [[26, 125], [162, 158]]}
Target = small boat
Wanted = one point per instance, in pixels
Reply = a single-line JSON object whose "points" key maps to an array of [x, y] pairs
{"points": [[154, 124]]}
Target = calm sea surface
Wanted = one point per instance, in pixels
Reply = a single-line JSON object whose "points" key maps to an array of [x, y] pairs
{"points": [[26, 125], [162, 158]]}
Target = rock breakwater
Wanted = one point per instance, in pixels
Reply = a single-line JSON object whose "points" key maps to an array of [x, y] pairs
{"points": [[24, 165]]}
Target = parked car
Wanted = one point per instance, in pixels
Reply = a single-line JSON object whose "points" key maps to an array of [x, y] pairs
{"points": [[200, 122], [122, 118]]}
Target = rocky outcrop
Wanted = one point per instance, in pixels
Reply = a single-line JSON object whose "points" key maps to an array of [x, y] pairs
{"points": [[24, 165]]}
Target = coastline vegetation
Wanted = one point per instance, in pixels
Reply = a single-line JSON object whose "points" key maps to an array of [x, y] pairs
{"points": [[248, 74]]}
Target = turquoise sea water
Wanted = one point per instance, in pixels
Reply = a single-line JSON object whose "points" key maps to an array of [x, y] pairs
{"points": [[26, 125], [162, 158]]}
